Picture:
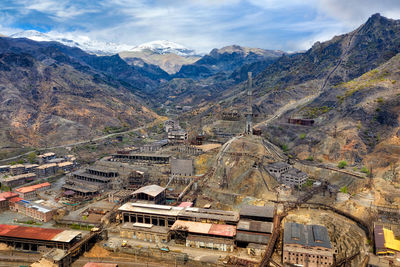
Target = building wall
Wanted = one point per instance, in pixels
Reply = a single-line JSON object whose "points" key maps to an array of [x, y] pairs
{"points": [[300, 255], [145, 235], [210, 244]]}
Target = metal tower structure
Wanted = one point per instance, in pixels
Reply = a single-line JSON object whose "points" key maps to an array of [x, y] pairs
{"points": [[249, 113]]}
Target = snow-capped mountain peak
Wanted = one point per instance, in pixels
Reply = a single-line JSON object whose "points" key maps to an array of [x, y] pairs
{"points": [[164, 47], [80, 41]]}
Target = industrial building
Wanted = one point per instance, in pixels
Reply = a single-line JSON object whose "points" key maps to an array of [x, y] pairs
{"points": [[5, 198], [30, 192], [162, 215], [385, 242], [286, 174], [153, 147], [205, 235], [257, 213], [307, 245], [177, 136], [253, 232], [182, 167], [152, 194], [34, 238], [145, 232], [46, 170], [141, 158], [33, 210], [14, 181]]}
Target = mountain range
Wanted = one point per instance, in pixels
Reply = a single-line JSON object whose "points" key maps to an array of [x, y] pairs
{"points": [[348, 84]]}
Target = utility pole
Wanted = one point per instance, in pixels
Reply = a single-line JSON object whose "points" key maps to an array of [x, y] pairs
{"points": [[249, 113]]}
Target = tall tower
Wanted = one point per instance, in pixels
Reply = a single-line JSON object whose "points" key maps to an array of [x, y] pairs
{"points": [[249, 113]]}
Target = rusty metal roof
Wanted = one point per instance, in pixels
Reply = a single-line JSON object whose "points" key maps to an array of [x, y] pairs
{"points": [[249, 237], [379, 237], [28, 232], [205, 228], [152, 190], [31, 188], [222, 230]]}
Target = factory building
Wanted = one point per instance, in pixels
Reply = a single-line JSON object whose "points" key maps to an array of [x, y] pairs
{"points": [[152, 194], [385, 242], [33, 210], [162, 215], [5, 198], [34, 238], [14, 181], [145, 232], [182, 167], [141, 158], [257, 213], [307, 245], [30, 192], [205, 235]]}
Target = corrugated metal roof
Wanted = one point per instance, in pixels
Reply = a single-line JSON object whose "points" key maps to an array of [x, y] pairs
{"points": [[66, 236], [255, 226], [390, 241], [151, 209], [152, 190], [192, 227], [248, 237], [31, 188], [379, 237], [306, 235], [257, 211], [186, 204], [222, 230], [29, 232]]}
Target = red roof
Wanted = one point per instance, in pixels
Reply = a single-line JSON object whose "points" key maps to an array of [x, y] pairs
{"points": [[222, 230], [8, 195], [99, 264], [31, 188], [2, 199], [15, 199], [28, 232], [186, 204]]}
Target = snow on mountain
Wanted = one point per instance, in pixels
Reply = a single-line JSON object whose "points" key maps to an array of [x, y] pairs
{"points": [[80, 41], [104, 48], [165, 47]]}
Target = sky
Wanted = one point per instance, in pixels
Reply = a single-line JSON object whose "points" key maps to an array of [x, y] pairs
{"points": [[288, 25]]}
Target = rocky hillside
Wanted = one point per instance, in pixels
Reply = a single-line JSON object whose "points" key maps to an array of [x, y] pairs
{"points": [[49, 95], [345, 57], [356, 121], [226, 59]]}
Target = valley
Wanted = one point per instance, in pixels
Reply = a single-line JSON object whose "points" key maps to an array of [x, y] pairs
{"points": [[238, 157]]}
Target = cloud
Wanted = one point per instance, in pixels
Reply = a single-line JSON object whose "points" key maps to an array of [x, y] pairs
{"points": [[198, 24]]}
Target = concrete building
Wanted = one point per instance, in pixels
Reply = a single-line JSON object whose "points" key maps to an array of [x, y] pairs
{"points": [[5, 168], [46, 170], [205, 235], [30, 192], [307, 245], [17, 169], [66, 166], [162, 215], [33, 210], [44, 158], [141, 158], [145, 232], [14, 181], [182, 167], [293, 177], [30, 168], [179, 136], [152, 194], [278, 168], [119, 196], [153, 147], [171, 125], [5, 198]]}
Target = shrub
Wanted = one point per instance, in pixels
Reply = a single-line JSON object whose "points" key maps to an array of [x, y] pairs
{"points": [[342, 164], [310, 158], [302, 136], [344, 189], [365, 170]]}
